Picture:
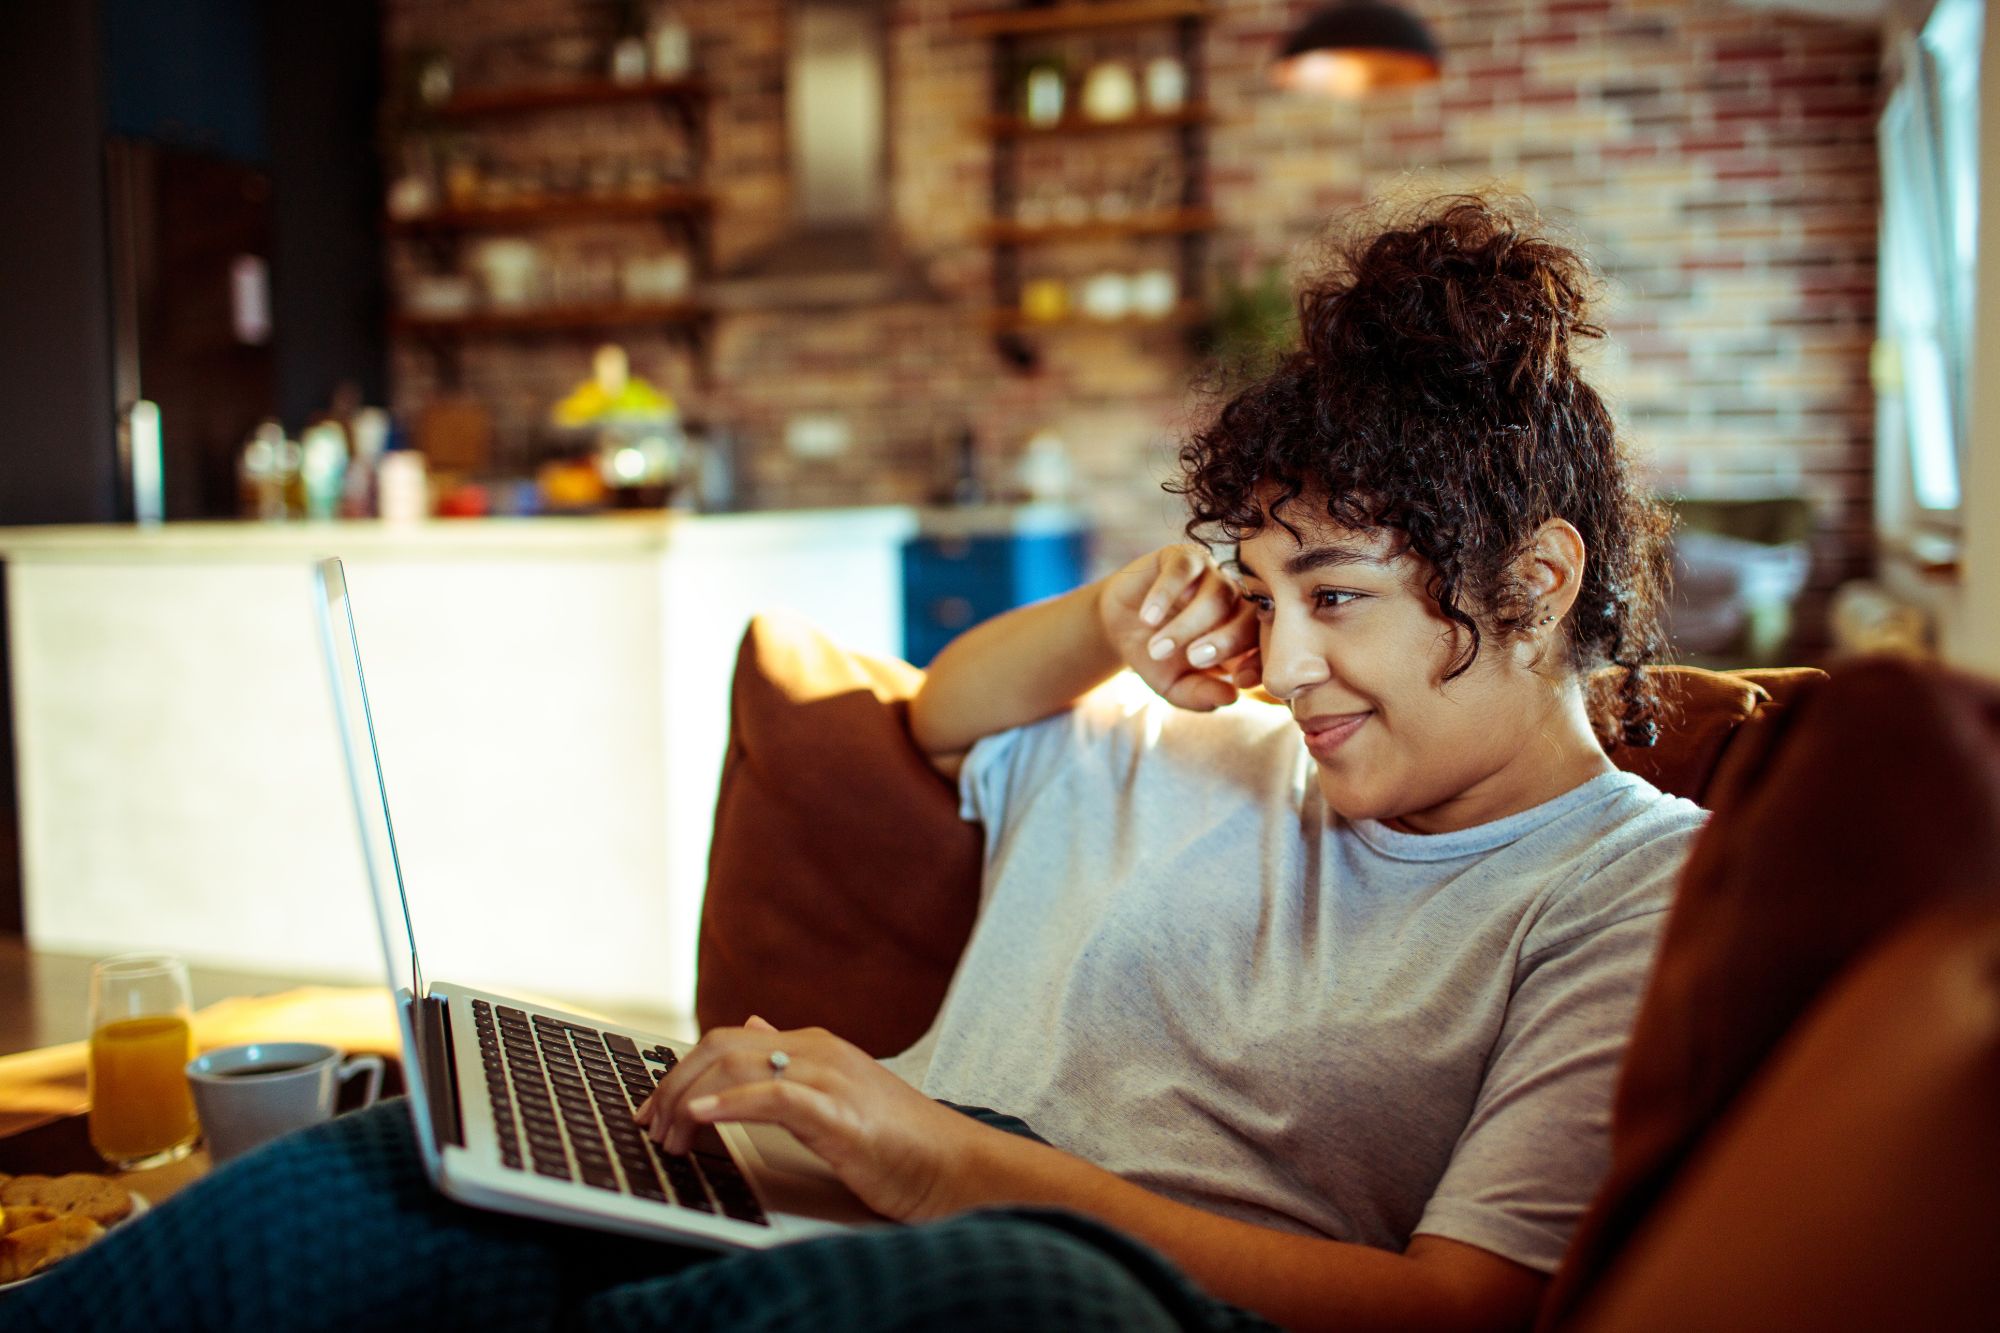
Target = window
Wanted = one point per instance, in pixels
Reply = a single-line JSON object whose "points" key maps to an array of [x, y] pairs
{"points": [[1929, 144]]}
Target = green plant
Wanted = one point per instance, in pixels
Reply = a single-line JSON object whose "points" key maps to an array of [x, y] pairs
{"points": [[1251, 324]]}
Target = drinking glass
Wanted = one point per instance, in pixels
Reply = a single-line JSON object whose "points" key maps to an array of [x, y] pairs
{"points": [[141, 1112]]}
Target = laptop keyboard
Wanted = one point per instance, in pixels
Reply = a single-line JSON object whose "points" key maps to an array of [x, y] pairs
{"points": [[562, 1096]]}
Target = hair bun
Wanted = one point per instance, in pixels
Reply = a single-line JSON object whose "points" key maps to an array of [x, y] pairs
{"points": [[1462, 294]]}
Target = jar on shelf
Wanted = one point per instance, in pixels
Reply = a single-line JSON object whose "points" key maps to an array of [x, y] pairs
{"points": [[1166, 84], [510, 270], [1044, 300], [1043, 94], [1105, 296], [628, 61], [1110, 93], [656, 278], [670, 47], [1154, 292]]}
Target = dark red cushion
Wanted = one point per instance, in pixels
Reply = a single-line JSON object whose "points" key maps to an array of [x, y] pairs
{"points": [[1873, 797], [1855, 1186], [841, 881]]}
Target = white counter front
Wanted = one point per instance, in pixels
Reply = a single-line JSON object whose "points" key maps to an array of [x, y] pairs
{"points": [[551, 697]]}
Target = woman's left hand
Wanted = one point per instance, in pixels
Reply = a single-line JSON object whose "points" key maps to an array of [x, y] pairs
{"points": [[894, 1147]]}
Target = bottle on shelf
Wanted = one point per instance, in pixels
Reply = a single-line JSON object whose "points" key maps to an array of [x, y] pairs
{"points": [[371, 437], [267, 475], [322, 468], [403, 486]]}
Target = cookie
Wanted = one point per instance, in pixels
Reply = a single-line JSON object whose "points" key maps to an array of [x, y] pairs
{"points": [[94, 1197], [28, 1251], [25, 1215]]}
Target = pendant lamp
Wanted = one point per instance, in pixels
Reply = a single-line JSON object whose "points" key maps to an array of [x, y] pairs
{"points": [[1358, 47]]}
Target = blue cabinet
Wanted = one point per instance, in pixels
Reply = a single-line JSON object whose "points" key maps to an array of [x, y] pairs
{"points": [[954, 579]]}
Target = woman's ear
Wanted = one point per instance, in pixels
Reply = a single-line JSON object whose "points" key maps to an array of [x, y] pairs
{"points": [[1552, 570]]}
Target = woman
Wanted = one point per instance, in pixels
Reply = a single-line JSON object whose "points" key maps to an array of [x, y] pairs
{"points": [[1321, 1002]]}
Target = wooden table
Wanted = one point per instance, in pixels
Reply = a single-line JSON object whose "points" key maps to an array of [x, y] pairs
{"points": [[39, 1088]]}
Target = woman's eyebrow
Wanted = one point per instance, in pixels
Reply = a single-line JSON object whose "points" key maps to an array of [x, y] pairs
{"points": [[1307, 559]]}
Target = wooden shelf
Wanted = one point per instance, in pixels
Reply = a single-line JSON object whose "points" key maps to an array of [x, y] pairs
{"points": [[1028, 22], [554, 319], [550, 212], [595, 92], [1177, 223], [1003, 320], [1014, 127]]}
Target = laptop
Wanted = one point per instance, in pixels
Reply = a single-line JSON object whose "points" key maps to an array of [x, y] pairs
{"points": [[524, 1109]]}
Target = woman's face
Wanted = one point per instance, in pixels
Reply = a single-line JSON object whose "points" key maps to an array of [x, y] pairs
{"points": [[1348, 636]]}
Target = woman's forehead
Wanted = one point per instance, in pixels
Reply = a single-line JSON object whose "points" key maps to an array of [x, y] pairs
{"points": [[1303, 543]]}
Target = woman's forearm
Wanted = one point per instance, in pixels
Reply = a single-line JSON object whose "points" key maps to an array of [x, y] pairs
{"points": [[1301, 1282], [1012, 670]]}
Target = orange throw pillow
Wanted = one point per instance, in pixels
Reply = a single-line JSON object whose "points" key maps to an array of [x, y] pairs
{"points": [[841, 882]]}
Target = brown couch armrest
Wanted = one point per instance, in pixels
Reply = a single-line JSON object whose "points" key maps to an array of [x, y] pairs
{"points": [[1857, 1186], [1872, 799]]}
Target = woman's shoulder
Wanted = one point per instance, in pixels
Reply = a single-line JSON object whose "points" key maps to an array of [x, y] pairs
{"points": [[1640, 838]]}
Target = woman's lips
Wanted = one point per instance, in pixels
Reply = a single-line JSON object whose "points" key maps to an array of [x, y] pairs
{"points": [[1327, 732]]}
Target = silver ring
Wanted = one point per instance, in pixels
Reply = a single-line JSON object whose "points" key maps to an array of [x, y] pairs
{"points": [[780, 1062]]}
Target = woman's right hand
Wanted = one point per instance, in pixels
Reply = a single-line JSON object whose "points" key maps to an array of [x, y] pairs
{"points": [[1181, 626]]}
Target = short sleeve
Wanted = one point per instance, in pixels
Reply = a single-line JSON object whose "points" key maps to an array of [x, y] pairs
{"points": [[1002, 770], [1538, 1141]]}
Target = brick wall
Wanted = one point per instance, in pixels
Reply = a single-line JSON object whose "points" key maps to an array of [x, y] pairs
{"points": [[1716, 160]]}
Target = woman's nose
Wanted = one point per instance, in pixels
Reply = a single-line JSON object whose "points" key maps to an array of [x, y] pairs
{"points": [[1291, 661]]}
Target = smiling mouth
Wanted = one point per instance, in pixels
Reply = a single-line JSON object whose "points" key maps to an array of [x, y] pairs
{"points": [[1327, 732]]}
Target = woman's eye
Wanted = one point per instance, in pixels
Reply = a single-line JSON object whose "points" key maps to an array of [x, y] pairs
{"points": [[1332, 599], [1260, 605]]}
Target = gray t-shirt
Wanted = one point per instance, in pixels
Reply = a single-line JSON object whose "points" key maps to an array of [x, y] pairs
{"points": [[1189, 971]]}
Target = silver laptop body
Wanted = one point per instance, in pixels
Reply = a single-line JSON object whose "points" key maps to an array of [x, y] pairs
{"points": [[524, 1109]]}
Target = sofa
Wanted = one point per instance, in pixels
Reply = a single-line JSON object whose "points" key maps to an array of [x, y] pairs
{"points": [[1806, 1131]]}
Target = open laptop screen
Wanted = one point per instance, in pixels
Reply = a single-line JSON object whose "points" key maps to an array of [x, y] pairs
{"points": [[378, 835]]}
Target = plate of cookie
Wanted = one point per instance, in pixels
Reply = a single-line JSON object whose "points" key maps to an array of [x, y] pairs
{"points": [[46, 1219]]}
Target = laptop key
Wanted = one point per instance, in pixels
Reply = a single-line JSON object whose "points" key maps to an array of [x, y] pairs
{"points": [[708, 1143], [743, 1205], [687, 1188]]}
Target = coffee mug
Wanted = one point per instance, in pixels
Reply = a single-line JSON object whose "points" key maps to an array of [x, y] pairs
{"points": [[248, 1095]]}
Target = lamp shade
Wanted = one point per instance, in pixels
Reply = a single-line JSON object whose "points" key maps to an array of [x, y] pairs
{"points": [[1349, 50]]}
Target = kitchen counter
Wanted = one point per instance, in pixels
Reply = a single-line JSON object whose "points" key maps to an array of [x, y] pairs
{"points": [[551, 697], [596, 534]]}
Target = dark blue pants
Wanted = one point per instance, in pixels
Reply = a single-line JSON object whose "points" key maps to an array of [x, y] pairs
{"points": [[337, 1228]]}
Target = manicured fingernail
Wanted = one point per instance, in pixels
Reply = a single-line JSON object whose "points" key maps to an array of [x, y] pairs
{"points": [[1160, 648], [1153, 613], [1202, 654], [702, 1105]]}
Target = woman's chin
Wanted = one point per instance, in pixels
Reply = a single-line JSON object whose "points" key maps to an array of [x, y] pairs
{"points": [[1352, 801]]}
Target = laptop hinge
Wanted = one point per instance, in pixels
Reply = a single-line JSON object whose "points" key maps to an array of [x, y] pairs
{"points": [[433, 1029]]}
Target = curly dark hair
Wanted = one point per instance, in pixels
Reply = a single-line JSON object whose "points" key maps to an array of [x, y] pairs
{"points": [[1433, 394]]}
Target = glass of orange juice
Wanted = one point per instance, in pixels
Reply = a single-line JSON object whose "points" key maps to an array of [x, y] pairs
{"points": [[141, 1112]]}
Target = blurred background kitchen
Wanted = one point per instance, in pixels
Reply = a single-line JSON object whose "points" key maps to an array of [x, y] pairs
{"points": [[586, 328]]}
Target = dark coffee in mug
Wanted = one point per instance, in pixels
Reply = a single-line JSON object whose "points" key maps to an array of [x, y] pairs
{"points": [[252, 1071]]}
